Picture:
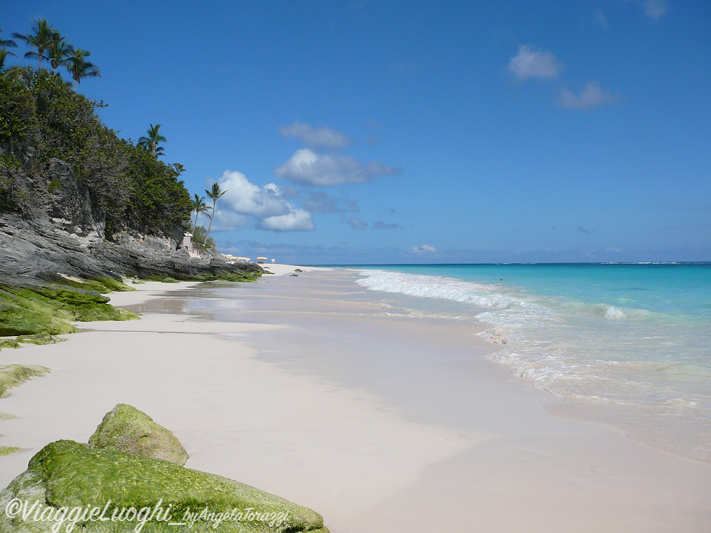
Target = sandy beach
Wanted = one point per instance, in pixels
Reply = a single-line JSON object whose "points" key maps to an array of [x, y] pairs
{"points": [[305, 387]]}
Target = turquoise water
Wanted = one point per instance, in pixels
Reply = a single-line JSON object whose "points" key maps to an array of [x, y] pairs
{"points": [[627, 344]]}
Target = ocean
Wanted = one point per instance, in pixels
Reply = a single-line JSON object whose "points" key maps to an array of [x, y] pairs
{"points": [[628, 345]]}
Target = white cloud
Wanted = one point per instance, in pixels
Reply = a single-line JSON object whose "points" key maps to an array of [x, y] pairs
{"points": [[296, 220], [655, 8], [316, 137], [309, 168], [247, 198], [531, 63], [243, 198], [357, 223], [425, 249], [592, 95]]}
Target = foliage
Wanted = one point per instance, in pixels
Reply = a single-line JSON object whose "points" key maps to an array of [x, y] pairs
{"points": [[41, 118], [79, 67], [214, 193], [40, 38], [198, 206], [200, 239], [150, 143], [159, 199]]}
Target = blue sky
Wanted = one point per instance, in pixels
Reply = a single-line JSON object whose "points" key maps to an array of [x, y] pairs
{"points": [[411, 131]]}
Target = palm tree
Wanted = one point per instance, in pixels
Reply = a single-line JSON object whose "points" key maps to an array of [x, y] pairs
{"points": [[151, 142], [214, 193], [58, 51], [199, 206], [3, 56], [79, 68], [40, 38], [7, 43], [4, 44]]}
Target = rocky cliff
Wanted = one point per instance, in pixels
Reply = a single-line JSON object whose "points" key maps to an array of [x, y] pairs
{"points": [[67, 237]]}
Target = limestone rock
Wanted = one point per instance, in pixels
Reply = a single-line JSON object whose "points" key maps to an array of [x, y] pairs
{"points": [[129, 430], [73, 476]]}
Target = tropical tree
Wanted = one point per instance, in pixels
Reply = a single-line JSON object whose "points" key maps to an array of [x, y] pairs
{"points": [[214, 193], [58, 51], [79, 68], [4, 52], [3, 56], [150, 143], [199, 206], [7, 43], [41, 38]]}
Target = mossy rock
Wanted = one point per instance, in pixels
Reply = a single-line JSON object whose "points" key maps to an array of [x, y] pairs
{"points": [[8, 450], [39, 338], [66, 474], [50, 309], [9, 343], [129, 430], [14, 375]]}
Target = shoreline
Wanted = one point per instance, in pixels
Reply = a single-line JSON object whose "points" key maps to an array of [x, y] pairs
{"points": [[303, 388]]}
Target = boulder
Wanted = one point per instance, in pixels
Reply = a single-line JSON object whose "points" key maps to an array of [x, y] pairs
{"points": [[69, 484], [126, 429]]}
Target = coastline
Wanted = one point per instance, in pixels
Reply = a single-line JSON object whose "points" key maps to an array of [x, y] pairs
{"points": [[303, 387]]}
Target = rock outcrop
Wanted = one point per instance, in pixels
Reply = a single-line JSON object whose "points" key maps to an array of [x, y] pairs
{"points": [[68, 485], [126, 429], [66, 482], [40, 249]]}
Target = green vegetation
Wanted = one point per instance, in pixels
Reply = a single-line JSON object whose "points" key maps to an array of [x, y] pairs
{"points": [[150, 143], [41, 117], [50, 309], [126, 183], [7, 450], [128, 430], [14, 375], [72, 475], [200, 239], [198, 205], [214, 193]]}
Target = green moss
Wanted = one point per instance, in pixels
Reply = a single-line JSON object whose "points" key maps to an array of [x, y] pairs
{"points": [[129, 430], [23, 312], [39, 338], [14, 375], [8, 450], [6, 416], [101, 285], [9, 343], [50, 309], [162, 279], [69, 474]]}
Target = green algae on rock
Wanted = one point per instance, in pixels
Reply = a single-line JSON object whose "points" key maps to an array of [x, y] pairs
{"points": [[126, 429], [8, 450], [14, 375], [72, 476], [50, 308]]}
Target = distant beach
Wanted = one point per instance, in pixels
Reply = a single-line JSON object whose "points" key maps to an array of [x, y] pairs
{"points": [[382, 411]]}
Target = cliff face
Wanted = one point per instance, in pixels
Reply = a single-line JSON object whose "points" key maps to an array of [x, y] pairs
{"points": [[77, 200], [67, 237]]}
